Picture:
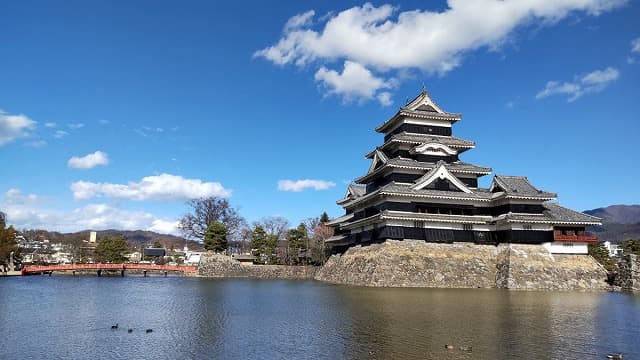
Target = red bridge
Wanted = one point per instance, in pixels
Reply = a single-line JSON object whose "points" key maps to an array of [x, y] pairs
{"points": [[100, 267]]}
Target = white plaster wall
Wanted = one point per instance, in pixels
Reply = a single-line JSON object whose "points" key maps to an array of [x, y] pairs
{"points": [[559, 247]]}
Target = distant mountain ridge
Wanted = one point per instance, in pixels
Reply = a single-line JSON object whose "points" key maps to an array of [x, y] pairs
{"points": [[619, 214], [619, 223], [136, 237]]}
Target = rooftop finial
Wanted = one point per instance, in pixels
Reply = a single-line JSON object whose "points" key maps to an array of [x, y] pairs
{"points": [[424, 89]]}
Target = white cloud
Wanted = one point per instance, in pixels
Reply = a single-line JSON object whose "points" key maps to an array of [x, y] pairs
{"points": [[60, 134], [635, 45], [89, 161], [75, 126], [104, 122], [36, 143], [592, 82], [300, 20], [15, 197], [91, 216], [164, 187], [14, 126], [355, 82], [300, 185], [147, 131], [50, 124], [382, 39]]}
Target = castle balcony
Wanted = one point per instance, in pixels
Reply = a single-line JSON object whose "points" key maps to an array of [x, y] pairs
{"points": [[575, 238]]}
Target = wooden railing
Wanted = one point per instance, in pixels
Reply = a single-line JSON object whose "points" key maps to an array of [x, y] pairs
{"points": [[575, 238], [72, 267]]}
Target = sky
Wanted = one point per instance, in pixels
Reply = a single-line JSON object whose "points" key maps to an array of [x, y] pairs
{"points": [[115, 113]]}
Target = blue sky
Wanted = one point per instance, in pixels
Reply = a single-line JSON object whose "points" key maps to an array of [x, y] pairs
{"points": [[116, 113]]}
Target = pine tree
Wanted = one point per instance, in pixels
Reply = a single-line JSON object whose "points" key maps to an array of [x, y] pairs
{"points": [[324, 218], [215, 237]]}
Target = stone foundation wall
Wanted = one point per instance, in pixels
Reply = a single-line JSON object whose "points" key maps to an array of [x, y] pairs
{"points": [[221, 266], [414, 263], [628, 277]]}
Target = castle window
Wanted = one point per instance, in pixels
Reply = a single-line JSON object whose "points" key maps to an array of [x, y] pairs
{"points": [[467, 227], [526, 227]]}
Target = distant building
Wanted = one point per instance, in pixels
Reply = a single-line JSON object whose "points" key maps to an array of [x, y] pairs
{"points": [[613, 249], [192, 257], [418, 188], [92, 237], [154, 252], [244, 259]]}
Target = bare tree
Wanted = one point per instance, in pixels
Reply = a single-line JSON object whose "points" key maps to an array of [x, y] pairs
{"points": [[274, 225], [207, 210]]}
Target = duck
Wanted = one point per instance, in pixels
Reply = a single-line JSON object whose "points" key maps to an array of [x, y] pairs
{"points": [[466, 348], [614, 356], [114, 327], [149, 330], [449, 347], [130, 330]]}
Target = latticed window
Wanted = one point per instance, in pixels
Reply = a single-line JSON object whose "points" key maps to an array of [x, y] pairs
{"points": [[467, 227]]}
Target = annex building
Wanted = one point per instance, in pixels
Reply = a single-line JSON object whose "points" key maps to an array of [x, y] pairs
{"points": [[418, 188]]}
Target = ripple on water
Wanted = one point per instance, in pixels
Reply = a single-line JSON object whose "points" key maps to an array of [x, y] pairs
{"points": [[229, 319]]}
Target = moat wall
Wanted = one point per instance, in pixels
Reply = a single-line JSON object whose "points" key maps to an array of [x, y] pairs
{"points": [[628, 277], [221, 266], [412, 263]]}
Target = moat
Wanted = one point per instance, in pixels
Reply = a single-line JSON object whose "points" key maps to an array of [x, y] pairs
{"points": [[195, 318]]}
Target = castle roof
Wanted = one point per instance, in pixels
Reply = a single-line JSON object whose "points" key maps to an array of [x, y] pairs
{"points": [[518, 186], [457, 167], [421, 107], [555, 214], [417, 139]]}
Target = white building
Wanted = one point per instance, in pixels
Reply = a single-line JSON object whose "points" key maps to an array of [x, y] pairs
{"points": [[613, 249]]}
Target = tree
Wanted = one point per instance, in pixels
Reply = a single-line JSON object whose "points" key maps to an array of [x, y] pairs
{"points": [[319, 232], [298, 242], [631, 247], [263, 245], [206, 211], [601, 254], [112, 250], [275, 225], [157, 245], [215, 237], [8, 243]]}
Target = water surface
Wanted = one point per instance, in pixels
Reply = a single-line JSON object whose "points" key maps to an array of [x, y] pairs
{"points": [[64, 317]]}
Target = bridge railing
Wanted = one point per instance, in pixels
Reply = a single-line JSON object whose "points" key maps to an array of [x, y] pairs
{"points": [[71, 267]]}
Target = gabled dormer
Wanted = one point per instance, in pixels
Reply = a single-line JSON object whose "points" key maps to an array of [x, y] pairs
{"points": [[379, 159], [440, 178]]}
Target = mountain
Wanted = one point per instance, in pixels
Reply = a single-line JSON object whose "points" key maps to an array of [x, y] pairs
{"points": [[619, 223], [619, 214], [135, 237]]}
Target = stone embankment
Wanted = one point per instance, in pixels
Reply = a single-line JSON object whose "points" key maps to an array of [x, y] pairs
{"points": [[628, 277], [411, 263], [221, 266]]}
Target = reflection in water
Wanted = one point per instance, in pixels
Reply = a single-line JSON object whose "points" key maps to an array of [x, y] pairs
{"points": [[70, 317]]}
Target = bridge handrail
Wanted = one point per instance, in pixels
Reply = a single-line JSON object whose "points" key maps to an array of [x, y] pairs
{"points": [[67, 267]]}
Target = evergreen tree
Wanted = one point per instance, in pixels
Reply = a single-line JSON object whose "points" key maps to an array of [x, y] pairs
{"points": [[601, 254], [112, 250], [215, 237], [8, 243], [631, 247], [324, 218], [298, 241]]}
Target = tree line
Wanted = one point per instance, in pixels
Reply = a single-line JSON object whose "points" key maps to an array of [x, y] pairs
{"points": [[271, 240]]}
